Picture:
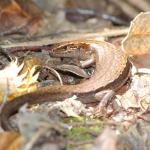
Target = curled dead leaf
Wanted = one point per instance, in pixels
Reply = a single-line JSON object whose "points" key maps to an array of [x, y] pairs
{"points": [[137, 42]]}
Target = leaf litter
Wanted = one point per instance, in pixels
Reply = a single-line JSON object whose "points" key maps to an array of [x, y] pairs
{"points": [[123, 125]]}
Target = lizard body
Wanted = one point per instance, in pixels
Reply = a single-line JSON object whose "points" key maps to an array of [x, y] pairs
{"points": [[111, 72]]}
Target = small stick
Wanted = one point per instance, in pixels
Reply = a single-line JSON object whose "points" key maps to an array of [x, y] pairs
{"points": [[46, 42]]}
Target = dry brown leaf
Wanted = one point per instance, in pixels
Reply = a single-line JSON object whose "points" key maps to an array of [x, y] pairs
{"points": [[128, 100], [15, 14], [138, 96], [10, 141], [137, 42]]}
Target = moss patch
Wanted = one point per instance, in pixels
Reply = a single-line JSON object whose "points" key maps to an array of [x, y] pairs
{"points": [[82, 133]]}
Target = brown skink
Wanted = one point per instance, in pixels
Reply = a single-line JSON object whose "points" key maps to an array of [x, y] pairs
{"points": [[111, 72]]}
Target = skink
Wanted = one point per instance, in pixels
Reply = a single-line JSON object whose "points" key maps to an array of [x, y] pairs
{"points": [[111, 72]]}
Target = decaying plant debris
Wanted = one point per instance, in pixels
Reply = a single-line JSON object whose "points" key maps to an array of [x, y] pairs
{"points": [[30, 37]]}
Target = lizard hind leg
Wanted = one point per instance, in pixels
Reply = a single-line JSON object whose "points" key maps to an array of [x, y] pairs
{"points": [[105, 98]]}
